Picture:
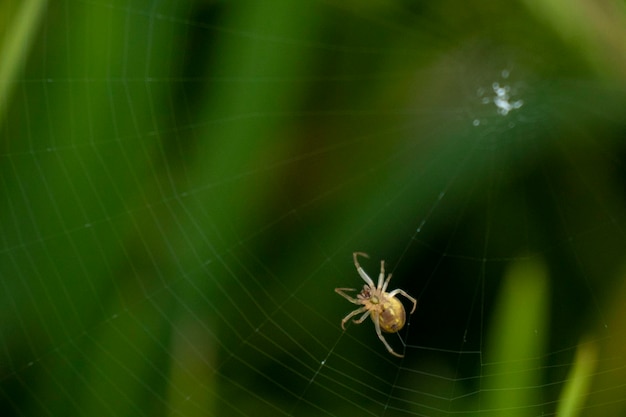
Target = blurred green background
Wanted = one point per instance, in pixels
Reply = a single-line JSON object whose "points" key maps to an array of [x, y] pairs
{"points": [[184, 183]]}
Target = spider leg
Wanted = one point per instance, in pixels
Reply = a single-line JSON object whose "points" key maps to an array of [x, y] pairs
{"points": [[341, 292], [381, 276], [363, 317], [360, 270], [386, 283], [399, 291], [350, 315], [380, 336]]}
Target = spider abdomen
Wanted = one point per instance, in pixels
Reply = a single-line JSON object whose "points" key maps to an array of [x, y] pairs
{"points": [[392, 315]]}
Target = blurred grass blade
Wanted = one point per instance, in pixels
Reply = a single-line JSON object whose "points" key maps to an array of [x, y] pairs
{"points": [[578, 381], [16, 44], [598, 29], [512, 371]]}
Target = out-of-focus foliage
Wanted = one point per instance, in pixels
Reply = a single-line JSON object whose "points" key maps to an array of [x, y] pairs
{"points": [[172, 171]]}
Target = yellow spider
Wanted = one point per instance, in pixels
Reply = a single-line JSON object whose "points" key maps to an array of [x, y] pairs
{"points": [[385, 309]]}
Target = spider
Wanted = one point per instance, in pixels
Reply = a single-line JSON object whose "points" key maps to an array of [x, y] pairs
{"points": [[385, 309]]}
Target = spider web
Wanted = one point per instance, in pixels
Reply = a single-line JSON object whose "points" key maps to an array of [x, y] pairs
{"points": [[185, 183]]}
